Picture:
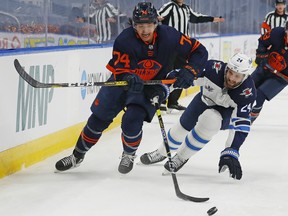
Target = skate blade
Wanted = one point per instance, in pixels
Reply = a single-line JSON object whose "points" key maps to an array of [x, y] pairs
{"points": [[57, 171]]}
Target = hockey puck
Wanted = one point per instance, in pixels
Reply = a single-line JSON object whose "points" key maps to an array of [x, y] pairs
{"points": [[212, 211]]}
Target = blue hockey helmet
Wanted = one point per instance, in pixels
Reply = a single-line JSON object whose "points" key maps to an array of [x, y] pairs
{"points": [[145, 12]]}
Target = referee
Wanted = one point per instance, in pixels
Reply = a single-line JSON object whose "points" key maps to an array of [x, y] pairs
{"points": [[103, 15], [275, 18], [178, 15]]}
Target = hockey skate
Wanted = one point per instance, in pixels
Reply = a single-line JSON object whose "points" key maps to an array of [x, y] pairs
{"points": [[67, 163], [152, 157], [126, 163], [176, 164]]}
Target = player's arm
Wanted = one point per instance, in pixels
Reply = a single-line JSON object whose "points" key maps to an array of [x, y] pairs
{"points": [[119, 64], [262, 51], [122, 68], [265, 27], [196, 57], [239, 126], [193, 51], [239, 129], [240, 119]]}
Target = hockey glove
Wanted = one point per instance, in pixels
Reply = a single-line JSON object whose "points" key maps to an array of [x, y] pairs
{"points": [[135, 83], [229, 159], [157, 93], [184, 78], [261, 58]]}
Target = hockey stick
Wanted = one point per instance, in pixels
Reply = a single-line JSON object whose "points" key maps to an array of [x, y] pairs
{"points": [[36, 84], [176, 185], [277, 73]]}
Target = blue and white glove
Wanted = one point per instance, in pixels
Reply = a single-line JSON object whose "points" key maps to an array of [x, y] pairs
{"points": [[229, 159], [135, 83], [157, 93], [184, 78]]}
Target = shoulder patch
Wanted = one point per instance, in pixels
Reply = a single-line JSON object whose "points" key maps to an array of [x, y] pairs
{"points": [[217, 66], [247, 92], [209, 88]]}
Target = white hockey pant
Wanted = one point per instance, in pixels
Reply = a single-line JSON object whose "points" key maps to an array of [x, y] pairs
{"points": [[175, 136], [209, 124]]}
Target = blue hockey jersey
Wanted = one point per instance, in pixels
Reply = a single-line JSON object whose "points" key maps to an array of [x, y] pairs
{"points": [[155, 60], [274, 43]]}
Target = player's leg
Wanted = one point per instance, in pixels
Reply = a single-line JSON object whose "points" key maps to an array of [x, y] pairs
{"points": [[132, 123], [177, 133], [103, 112], [266, 91], [259, 75], [209, 124]]}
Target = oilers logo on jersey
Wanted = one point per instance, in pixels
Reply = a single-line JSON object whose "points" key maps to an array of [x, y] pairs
{"points": [[147, 69]]}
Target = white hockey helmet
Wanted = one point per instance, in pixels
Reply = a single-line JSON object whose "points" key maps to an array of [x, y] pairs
{"points": [[240, 63]]}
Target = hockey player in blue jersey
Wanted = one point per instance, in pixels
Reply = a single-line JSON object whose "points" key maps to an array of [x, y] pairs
{"points": [[271, 74], [143, 51], [224, 102]]}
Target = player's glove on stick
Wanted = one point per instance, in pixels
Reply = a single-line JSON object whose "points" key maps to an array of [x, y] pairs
{"points": [[135, 83], [229, 159], [261, 57], [157, 93], [184, 77]]}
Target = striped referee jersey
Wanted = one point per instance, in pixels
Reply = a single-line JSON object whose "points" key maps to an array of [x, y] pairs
{"points": [[272, 20], [179, 16], [99, 15]]}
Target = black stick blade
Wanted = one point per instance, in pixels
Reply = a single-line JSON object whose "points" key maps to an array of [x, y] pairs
{"points": [[184, 196], [25, 75]]}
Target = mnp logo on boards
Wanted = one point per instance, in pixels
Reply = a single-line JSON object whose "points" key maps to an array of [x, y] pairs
{"points": [[32, 103]]}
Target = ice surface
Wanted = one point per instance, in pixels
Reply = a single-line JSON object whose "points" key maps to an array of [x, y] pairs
{"points": [[96, 187]]}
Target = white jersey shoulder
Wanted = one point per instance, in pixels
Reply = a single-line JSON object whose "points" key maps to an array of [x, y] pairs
{"points": [[212, 95]]}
